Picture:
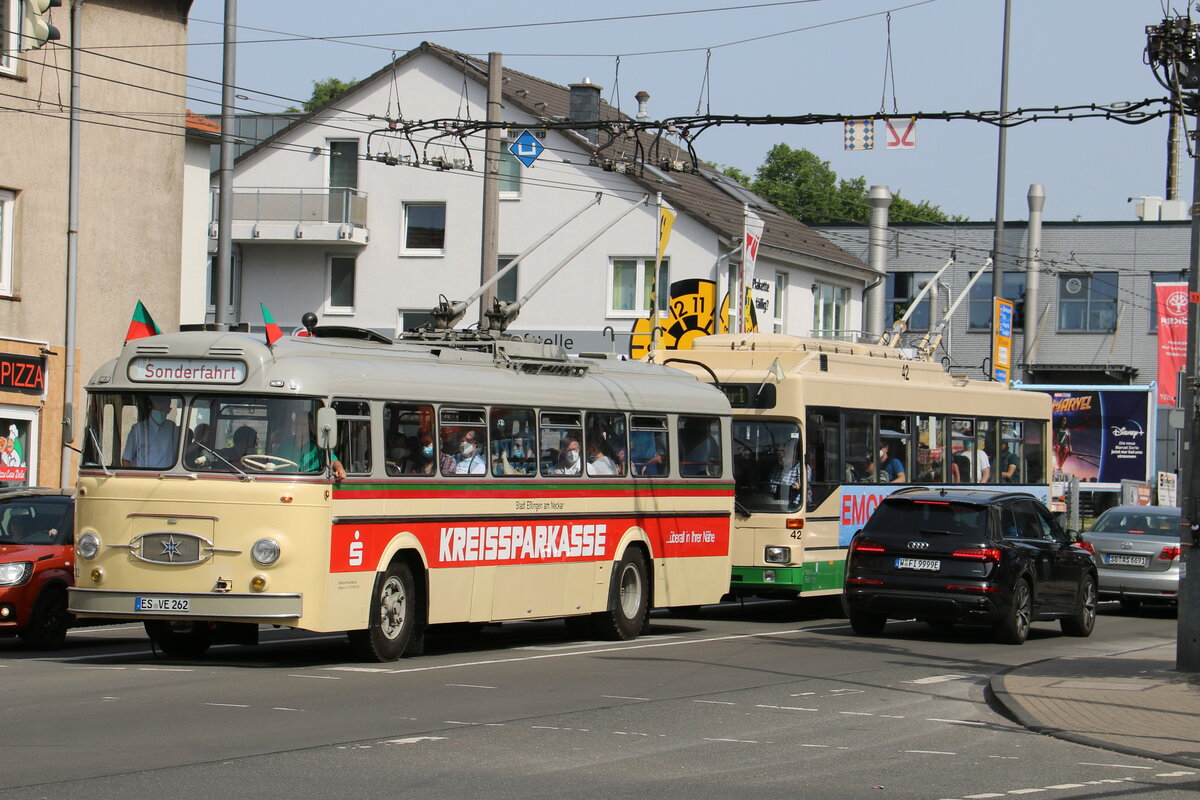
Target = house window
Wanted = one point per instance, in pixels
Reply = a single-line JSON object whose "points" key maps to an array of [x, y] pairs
{"points": [[902, 287], [9, 27], [235, 280], [781, 284], [632, 283], [830, 308], [425, 227], [506, 287], [1179, 276], [7, 203], [409, 319], [339, 285], [980, 314], [343, 178], [510, 176], [1087, 301]]}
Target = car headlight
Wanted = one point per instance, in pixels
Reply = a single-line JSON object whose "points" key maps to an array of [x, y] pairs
{"points": [[265, 552], [15, 573], [87, 546], [777, 555]]}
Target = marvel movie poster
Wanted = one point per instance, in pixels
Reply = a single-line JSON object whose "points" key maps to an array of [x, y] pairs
{"points": [[1102, 436]]}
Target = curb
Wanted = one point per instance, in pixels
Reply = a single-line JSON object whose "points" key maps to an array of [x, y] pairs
{"points": [[1000, 692]]}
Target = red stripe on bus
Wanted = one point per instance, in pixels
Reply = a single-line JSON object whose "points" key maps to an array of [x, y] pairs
{"points": [[449, 492], [359, 547]]}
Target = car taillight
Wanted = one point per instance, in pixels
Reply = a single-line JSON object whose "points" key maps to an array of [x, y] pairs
{"points": [[979, 553], [1085, 546], [864, 547], [1169, 553]]}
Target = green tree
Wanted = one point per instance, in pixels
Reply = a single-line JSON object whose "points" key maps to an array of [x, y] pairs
{"points": [[326, 90], [804, 186]]}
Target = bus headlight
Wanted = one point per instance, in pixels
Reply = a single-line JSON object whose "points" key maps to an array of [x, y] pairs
{"points": [[777, 555], [265, 552], [88, 545]]}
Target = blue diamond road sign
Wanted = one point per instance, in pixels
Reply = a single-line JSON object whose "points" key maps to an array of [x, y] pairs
{"points": [[526, 148]]}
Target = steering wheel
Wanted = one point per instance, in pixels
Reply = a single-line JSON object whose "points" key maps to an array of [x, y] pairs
{"points": [[268, 463]]}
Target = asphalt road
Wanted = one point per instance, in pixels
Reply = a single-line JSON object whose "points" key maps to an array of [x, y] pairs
{"points": [[764, 700]]}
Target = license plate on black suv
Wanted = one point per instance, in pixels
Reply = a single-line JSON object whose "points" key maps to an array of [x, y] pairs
{"points": [[930, 564]]}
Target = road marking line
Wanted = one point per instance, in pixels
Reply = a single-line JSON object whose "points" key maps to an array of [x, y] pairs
{"points": [[165, 669], [857, 713], [283, 708], [893, 716], [956, 721], [470, 686], [938, 679], [1115, 766], [932, 752], [732, 741], [983, 796], [825, 746], [361, 669], [621, 697], [1025, 791], [228, 705], [719, 702], [1178, 774], [787, 708], [116, 668], [414, 740], [322, 677], [1066, 786]]}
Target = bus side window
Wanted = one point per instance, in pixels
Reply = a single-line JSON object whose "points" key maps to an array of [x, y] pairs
{"points": [[606, 447], [514, 443], [700, 447], [649, 451], [561, 443], [354, 436], [408, 439]]}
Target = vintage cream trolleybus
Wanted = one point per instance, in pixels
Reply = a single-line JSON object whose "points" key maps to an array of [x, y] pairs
{"points": [[346, 481]]}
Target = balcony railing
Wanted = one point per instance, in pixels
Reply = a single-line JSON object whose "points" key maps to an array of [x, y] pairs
{"points": [[281, 213]]}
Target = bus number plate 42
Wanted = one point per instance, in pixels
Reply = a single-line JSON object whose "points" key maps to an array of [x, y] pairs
{"points": [[160, 604]]}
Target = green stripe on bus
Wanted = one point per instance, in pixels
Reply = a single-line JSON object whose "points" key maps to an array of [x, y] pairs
{"points": [[811, 577]]}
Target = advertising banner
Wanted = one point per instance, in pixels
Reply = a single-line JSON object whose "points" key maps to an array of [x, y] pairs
{"points": [[1171, 307], [14, 441], [1102, 435]]}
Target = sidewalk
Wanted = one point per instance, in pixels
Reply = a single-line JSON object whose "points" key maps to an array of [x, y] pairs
{"points": [[1134, 703]]}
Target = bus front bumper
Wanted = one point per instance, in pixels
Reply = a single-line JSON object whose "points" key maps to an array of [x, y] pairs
{"points": [[228, 606]]}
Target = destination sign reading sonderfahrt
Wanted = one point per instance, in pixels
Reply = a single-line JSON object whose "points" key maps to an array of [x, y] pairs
{"points": [[186, 370]]}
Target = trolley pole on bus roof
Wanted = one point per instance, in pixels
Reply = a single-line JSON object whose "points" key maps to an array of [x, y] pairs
{"points": [[1173, 52]]}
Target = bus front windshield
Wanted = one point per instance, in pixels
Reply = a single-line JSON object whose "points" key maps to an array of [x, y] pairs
{"points": [[226, 433], [768, 467]]}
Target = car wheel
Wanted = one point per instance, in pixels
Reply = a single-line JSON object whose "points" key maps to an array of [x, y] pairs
{"points": [[49, 621], [1131, 603], [866, 624], [180, 639], [1083, 620], [1014, 628], [392, 617]]}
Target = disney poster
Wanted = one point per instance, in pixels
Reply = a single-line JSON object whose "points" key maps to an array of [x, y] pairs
{"points": [[1101, 436]]}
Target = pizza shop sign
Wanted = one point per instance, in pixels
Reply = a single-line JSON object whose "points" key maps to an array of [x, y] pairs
{"points": [[24, 374]]}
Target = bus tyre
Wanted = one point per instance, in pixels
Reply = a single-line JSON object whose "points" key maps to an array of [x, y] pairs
{"points": [[180, 639], [865, 623], [628, 599], [1014, 628], [49, 621], [1083, 620], [392, 617]]}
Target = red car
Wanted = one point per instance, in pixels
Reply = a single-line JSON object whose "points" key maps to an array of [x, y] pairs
{"points": [[37, 535]]}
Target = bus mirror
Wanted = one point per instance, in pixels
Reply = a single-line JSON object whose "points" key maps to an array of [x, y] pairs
{"points": [[68, 423], [326, 428]]}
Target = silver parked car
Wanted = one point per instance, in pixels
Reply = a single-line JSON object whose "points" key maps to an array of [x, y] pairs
{"points": [[1137, 554]]}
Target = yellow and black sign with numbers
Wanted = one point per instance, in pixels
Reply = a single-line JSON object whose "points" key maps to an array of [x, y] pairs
{"points": [[693, 313]]}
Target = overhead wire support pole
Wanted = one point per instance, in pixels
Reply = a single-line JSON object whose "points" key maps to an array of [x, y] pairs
{"points": [[933, 338], [892, 338], [1001, 151], [223, 267]]}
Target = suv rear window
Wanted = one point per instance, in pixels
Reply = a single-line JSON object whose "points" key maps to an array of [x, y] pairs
{"points": [[910, 517]]}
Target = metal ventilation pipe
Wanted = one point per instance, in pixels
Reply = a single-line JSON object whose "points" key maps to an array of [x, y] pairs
{"points": [[642, 98], [880, 199], [1033, 254]]}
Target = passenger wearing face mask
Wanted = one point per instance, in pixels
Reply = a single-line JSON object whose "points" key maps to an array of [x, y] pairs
{"points": [[470, 460], [568, 458], [153, 440]]}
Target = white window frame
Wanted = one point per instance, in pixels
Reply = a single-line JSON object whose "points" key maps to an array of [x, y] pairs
{"points": [[8, 216], [779, 302], [509, 162], [841, 309], [330, 308], [405, 250], [10, 38], [662, 293]]}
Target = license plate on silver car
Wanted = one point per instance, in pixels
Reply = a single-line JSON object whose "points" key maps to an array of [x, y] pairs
{"points": [[178, 604], [918, 563], [1129, 561]]}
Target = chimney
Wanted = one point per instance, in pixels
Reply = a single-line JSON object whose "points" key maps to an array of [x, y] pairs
{"points": [[585, 106], [642, 97]]}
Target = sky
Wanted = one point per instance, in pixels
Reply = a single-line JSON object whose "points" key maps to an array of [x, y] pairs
{"points": [[802, 57]]}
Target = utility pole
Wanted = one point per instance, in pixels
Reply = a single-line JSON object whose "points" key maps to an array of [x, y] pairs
{"points": [[224, 262], [1173, 52], [1001, 149], [489, 251]]}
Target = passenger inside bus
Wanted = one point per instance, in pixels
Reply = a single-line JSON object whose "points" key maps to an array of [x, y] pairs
{"points": [[200, 448], [648, 456], [599, 462], [153, 439], [567, 462], [301, 448], [245, 440]]}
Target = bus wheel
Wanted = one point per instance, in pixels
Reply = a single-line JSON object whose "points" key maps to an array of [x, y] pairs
{"points": [[628, 599], [392, 617], [180, 639]]}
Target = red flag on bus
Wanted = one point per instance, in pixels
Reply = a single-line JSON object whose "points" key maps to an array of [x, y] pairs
{"points": [[142, 324], [274, 334]]}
